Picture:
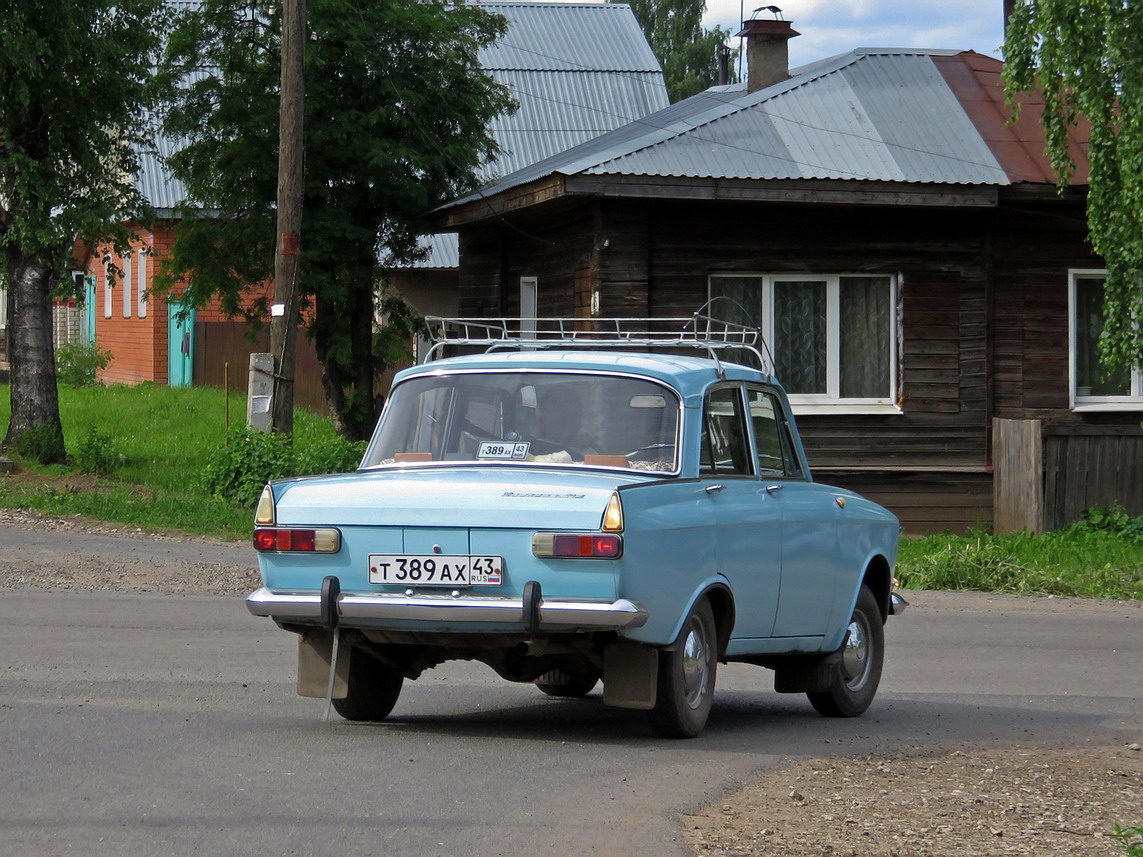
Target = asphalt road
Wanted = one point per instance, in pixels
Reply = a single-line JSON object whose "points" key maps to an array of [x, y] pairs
{"points": [[167, 725]]}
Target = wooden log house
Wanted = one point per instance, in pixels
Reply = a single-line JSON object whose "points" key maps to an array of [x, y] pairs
{"points": [[901, 242]]}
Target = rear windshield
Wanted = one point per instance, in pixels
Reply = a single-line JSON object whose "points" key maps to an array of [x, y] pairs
{"points": [[540, 418]]}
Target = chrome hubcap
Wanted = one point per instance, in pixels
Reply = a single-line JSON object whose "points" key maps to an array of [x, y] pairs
{"points": [[855, 656], [695, 666]]}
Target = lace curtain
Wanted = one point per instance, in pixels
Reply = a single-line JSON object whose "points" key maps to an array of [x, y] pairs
{"points": [[865, 325], [861, 324]]}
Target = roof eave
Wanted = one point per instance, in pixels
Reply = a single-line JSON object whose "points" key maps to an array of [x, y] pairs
{"points": [[817, 191]]}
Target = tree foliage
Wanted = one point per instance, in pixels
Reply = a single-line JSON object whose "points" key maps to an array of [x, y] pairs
{"points": [[686, 51], [1087, 56], [397, 111], [73, 77]]}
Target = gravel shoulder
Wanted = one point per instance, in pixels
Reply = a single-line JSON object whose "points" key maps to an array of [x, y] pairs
{"points": [[1050, 801]]}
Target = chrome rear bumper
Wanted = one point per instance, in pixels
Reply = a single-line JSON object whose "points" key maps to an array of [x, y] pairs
{"points": [[554, 615]]}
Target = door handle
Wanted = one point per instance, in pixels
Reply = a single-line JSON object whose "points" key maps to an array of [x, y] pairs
{"points": [[770, 489], [710, 489]]}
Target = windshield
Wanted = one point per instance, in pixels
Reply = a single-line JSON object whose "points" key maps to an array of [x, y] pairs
{"points": [[532, 417]]}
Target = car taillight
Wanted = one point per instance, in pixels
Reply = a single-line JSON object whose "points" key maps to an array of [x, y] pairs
{"points": [[578, 545], [324, 540]]}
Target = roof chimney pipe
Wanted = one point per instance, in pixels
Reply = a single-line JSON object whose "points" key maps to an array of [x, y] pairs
{"points": [[767, 51]]}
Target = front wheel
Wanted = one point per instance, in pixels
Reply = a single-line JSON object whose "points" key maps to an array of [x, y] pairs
{"points": [[862, 656], [686, 677], [373, 689]]}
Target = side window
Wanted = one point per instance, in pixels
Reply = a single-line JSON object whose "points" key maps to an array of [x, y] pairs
{"points": [[771, 435], [724, 439]]}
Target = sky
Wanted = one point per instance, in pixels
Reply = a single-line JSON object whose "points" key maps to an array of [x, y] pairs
{"points": [[831, 27]]}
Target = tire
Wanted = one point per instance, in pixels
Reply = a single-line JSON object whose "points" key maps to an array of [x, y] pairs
{"points": [[373, 689], [567, 684], [862, 656], [686, 677]]}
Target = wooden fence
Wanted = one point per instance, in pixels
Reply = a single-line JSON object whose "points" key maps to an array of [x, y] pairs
{"points": [[1045, 476], [218, 343]]}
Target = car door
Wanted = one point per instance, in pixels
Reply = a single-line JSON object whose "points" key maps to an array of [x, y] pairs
{"points": [[810, 519], [747, 518]]}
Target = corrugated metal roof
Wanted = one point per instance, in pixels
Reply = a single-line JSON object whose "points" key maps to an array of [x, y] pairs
{"points": [[559, 110], [155, 181], [568, 37], [870, 114]]}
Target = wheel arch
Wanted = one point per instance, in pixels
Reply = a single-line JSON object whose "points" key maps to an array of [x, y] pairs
{"points": [[879, 578], [722, 605]]}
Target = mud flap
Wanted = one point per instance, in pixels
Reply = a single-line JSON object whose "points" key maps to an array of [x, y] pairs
{"points": [[315, 652], [630, 676]]}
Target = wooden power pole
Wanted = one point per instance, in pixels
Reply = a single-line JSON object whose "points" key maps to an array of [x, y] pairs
{"points": [[284, 312]]}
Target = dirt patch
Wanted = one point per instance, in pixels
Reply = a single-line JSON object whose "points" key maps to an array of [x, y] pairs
{"points": [[77, 554], [1051, 802]]}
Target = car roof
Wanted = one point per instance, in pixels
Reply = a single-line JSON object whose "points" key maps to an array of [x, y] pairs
{"points": [[687, 374]]}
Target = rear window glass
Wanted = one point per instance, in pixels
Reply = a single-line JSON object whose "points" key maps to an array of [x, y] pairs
{"points": [[538, 418]]}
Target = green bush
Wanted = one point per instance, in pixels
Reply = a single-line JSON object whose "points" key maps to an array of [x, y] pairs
{"points": [[97, 454], [1116, 520], [238, 471], [78, 363]]}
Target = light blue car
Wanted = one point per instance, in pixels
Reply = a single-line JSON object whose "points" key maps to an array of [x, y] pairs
{"points": [[569, 512]]}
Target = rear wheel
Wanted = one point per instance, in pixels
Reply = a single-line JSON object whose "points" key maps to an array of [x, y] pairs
{"points": [[373, 689], [862, 656], [686, 677], [566, 683]]}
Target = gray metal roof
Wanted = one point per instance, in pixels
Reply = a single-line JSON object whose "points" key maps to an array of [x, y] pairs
{"points": [[155, 181], [869, 114], [577, 70], [568, 37]]}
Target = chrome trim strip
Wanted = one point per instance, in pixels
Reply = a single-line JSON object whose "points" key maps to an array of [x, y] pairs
{"points": [[554, 614]]}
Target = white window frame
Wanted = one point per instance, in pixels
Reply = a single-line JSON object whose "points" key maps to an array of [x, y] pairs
{"points": [[108, 293], [141, 277], [1083, 403], [831, 401], [127, 290]]}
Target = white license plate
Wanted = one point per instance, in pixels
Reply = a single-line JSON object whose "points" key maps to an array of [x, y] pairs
{"points": [[435, 569]]}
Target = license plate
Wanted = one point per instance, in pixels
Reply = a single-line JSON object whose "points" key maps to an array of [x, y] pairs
{"points": [[435, 569]]}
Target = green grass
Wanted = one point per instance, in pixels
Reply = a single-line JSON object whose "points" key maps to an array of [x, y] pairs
{"points": [[1080, 561], [159, 441]]}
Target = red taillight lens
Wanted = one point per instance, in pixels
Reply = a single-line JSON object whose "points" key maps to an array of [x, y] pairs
{"points": [[273, 539], [582, 545]]}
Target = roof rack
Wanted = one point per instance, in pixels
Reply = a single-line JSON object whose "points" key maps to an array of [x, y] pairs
{"points": [[699, 331]]}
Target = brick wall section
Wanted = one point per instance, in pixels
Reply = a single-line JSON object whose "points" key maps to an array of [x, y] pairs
{"points": [[138, 344]]}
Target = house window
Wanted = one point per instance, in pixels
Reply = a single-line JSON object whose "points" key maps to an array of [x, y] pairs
{"points": [[833, 337], [142, 278], [107, 292], [127, 284], [1091, 384]]}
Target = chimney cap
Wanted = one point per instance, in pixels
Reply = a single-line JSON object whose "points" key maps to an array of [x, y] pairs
{"points": [[755, 27]]}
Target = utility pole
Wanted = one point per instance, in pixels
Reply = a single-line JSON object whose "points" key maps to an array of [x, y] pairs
{"points": [[284, 312]]}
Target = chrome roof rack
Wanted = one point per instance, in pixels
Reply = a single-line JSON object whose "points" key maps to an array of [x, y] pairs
{"points": [[699, 331]]}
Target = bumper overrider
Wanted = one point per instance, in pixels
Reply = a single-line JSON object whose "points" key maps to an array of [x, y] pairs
{"points": [[530, 611]]}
